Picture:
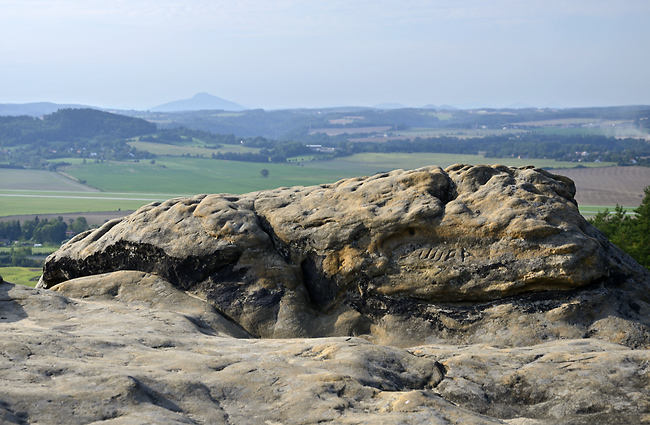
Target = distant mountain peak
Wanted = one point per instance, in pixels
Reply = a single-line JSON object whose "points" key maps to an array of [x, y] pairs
{"points": [[199, 102]]}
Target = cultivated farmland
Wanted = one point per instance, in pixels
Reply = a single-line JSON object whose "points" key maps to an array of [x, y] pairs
{"points": [[125, 186], [607, 186], [15, 179], [180, 150]]}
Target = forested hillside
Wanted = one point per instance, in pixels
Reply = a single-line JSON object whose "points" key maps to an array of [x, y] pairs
{"points": [[83, 133], [617, 134], [607, 134], [70, 124]]}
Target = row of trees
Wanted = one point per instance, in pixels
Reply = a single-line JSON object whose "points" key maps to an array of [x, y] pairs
{"points": [[525, 145], [41, 231], [182, 135], [18, 257], [278, 152], [630, 233]]}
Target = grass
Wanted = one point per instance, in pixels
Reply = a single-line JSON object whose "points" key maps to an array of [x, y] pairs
{"points": [[130, 185], [442, 116], [462, 133], [176, 150], [182, 175], [38, 250], [371, 163], [27, 276], [17, 179], [572, 131], [591, 210], [560, 121], [595, 131], [33, 202]]}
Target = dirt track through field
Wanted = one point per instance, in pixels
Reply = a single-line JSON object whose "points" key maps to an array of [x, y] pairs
{"points": [[609, 185]]}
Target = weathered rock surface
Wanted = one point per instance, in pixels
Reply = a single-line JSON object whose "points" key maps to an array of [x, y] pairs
{"points": [[471, 254], [473, 295], [131, 355]]}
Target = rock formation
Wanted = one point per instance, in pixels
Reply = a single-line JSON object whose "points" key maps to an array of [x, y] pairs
{"points": [[475, 294], [471, 254]]}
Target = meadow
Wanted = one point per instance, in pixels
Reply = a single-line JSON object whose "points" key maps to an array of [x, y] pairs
{"points": [[37, 250], [28, 202], [187, 176], [113, 186], [17, 179], [27, 276], [371, 163], [194, 149], [462, 133]]}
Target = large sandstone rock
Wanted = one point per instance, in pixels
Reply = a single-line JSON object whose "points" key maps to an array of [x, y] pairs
{"points": [[470, 254], [474, 295]]}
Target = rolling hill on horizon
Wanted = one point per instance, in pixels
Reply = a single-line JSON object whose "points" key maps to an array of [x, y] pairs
{"points": [[199, 102], [36, 109]]}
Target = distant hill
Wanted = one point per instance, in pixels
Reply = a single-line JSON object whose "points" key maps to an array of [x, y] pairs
{"points": [[45, 142], [440, 108], [200, 102], [70, 125], [35, 109]]}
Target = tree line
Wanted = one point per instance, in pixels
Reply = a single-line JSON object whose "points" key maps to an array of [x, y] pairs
{"points": [[41, 230], [630, 233], [586, 148], [271, 151]]}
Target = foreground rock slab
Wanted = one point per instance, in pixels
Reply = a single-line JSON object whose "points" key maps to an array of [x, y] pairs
{"points": [[120, 357]]}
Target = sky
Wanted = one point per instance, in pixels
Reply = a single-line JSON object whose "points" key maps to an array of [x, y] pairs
{"points": [[137, 54]]}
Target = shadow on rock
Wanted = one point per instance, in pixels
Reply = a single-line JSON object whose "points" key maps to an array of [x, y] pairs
{"points": [[10, 310]]}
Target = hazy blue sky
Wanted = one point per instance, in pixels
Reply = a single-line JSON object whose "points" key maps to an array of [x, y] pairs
{"points": [[289, 53]]}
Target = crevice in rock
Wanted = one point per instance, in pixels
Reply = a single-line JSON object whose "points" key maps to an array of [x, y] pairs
{"points": [[321, 291], [280, 247]]}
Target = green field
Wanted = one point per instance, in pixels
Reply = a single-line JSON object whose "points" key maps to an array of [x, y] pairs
{"points": [[16, 179], [178, 175], [591, 210], [161, 149], [129, 185], [371, 163], [37, 250], [190, 176], [27, 276], [594, 131], [35, 202], [462, 133]]}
